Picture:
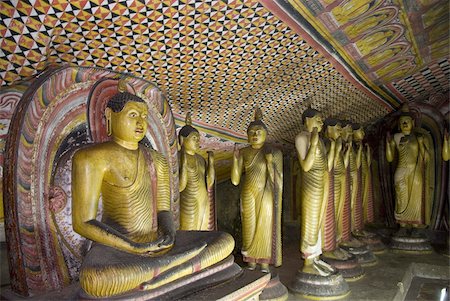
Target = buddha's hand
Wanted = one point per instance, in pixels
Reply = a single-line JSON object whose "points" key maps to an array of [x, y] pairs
{"points": [[236, 152], [166, 230], [339, 144], [153, 248], [314, 137], [420, 139], [210, 158], [269, 158], [388, 138]]}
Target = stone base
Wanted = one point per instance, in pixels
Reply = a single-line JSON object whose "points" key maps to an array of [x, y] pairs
{"points": [[316, 287], [372, 240], [274, 290], [411, 244], [349, 268], [231, 283], [361, 251]]}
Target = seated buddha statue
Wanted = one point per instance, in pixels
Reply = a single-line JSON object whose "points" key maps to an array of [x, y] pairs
{"points": [[197, 210], [135, 244]]}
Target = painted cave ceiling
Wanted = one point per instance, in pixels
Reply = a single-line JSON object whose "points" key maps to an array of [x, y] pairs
{"points": [[353, 59]]}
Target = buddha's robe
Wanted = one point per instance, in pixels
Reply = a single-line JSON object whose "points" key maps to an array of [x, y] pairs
{"points": [[409, 178], [197, 206], [314, 196], [339, 180], [261, 207], [107, 271], [367, 190]]}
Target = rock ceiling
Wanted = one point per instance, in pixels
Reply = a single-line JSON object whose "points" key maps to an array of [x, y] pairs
{"points": [[218, 60]]}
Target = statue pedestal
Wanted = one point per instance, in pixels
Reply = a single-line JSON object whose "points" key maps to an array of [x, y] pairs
{"points": [[372, 240], [230, 283], [317, 287], [274, 290], [415, 243], [361, 251], [349, 268]]}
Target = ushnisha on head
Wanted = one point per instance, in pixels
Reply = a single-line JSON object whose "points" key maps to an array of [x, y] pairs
{"points": [[189, 137], [126, 119], [257, 131], [333, 128], [312, 119]]}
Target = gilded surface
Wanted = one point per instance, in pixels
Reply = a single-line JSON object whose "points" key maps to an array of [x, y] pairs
{"points": [[261, 198], [412, 178], [134, 241], [197, 207]]}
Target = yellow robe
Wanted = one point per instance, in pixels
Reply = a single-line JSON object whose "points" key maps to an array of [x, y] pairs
{"points": [[261, 208]]}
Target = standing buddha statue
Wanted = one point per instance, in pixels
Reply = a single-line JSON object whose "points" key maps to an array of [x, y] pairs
{"points": [[412, 207], [197, 207], [261, 197], [317, 278]]}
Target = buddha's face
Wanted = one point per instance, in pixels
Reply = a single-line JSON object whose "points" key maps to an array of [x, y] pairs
{"points": [[256, 135], [406, 124], [130, 124], [334, 131], [192, 142], [359, 134], [347, 132], [315, 122]]}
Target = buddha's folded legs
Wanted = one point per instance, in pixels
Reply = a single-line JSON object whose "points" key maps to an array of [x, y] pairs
{"points": [[107, 271]]}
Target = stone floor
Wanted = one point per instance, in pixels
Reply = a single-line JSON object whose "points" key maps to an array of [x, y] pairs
{"points": [[381, 282]]}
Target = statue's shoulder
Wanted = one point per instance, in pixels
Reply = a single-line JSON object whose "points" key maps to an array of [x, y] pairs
{"points": [[95, 152], [156, 156]]}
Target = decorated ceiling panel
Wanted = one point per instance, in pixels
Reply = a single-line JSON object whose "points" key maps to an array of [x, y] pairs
{"points": [[383, 42], [218, 60]]}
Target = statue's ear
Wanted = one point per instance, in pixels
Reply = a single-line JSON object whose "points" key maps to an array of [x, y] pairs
{"points": [[180, 142], [108, 121]]}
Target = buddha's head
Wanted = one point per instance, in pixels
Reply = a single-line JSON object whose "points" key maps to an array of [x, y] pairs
{"points": [[257, 131], [358, 132], [334, 128], [189, 137], [312, 119], [126, 118], [406, 124]]}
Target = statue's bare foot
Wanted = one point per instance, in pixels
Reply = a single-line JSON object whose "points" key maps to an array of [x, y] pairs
{"points": [[265, 268], [251, 266]]}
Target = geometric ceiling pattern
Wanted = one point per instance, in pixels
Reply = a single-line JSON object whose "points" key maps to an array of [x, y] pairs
{"points": [[218, 60]]}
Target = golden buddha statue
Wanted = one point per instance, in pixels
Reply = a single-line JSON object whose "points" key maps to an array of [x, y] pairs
{"points": [[412, 197], [334, 131], [315, 188], [134, 242], [354, 165], [261, 197], [361, 176], [197, 208], [367, 189]]}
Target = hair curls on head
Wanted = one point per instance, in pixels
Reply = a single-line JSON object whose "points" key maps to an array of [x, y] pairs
{"points": [[117, 102]]}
